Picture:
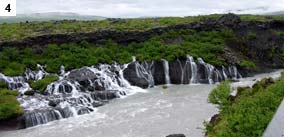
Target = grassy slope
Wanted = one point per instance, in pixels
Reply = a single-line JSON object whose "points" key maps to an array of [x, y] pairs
{"points": [[208, 45], [250, 113], [18, 31]]}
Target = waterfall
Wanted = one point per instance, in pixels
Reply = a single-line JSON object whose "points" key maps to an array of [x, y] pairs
{"points": [[133, 59], [15, 83], [144, 72], [36, 75], [183, 69], [77, 93], [166, 69], [224, 73], [193, 69], [80, 91]]}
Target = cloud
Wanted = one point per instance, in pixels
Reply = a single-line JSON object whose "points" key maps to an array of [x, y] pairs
{"points": [[138, 8]]}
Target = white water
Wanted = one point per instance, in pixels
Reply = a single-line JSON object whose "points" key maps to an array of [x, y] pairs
{"points": [[167, 73], [193, 69], [250, 81], [157, 113], [70, 98]]}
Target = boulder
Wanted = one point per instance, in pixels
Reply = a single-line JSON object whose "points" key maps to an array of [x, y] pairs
{"points": [[130, 75], [175, 70], [159, 73], [82, 75], [230, 20], [176, 135]]}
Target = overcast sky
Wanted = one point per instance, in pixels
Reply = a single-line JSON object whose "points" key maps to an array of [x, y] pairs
{"points": [[144, 8]]}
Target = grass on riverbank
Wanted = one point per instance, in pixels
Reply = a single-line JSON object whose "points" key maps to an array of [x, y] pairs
{"points": [[9, 106], [249, 113]]}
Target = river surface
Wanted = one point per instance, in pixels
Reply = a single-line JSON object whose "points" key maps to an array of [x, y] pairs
{"points": [[156, 113]]}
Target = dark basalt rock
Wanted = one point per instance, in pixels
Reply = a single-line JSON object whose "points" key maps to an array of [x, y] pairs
{"points": [[82, 75], [176, 135], [29, 93], [53, 103], [12, 124], [131, 76], [202, 73], [231, 20], [65, 88], [103, 95], [159, 73], [175, 70]]}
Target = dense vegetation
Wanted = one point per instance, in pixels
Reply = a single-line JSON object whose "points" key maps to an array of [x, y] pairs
{"points": [[19, 31], [41, 85], [249, 113], [220, 94], [9, 106], [208, 45]]}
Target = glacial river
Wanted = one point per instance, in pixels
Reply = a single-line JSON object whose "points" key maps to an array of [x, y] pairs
{"points": [[156, 113]]}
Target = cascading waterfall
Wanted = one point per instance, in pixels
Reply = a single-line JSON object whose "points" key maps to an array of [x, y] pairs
{"points": [[193, 69], [142, 72], [15, 83], [72, 95], [80, 91], [36, 75], [209, 70], [166, 69], [224, 73]]}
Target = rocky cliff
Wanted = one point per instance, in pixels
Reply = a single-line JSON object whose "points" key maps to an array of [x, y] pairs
{"points": [[259, 41]]}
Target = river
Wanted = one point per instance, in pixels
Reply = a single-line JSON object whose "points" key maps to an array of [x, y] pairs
{"points": [[156, 113]]}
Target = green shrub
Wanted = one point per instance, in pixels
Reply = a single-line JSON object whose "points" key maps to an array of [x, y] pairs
{"points": [[9, 106], [220, 94], [247, 64], [250, 114], [41, 85]]}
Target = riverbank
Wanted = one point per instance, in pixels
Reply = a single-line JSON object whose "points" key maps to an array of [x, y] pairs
{"points": [[248, 111]]}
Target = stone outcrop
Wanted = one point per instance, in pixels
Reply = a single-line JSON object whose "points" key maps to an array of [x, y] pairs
{"points": [[176, 135]]}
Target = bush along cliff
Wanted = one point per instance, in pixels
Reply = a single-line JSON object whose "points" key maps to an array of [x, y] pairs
{"points": [[247, 114], [81, 71], [9, 106]]}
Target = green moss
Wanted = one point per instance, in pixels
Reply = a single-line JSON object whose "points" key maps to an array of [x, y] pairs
{"points": [[41, 85], [3, 85], [251, 36], [164, 87], [247, 64], [251, 112], [29, 93], [9, 106]]}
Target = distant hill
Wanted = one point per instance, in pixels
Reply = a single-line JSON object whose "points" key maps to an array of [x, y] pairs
{"points": [[48, 16], [275, 13]]}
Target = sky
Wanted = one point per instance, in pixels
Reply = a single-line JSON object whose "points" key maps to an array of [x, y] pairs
{"points": [[149, 8]]}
